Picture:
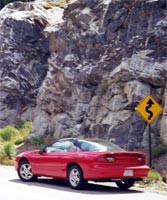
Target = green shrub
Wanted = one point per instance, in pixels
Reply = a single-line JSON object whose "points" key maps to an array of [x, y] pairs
{"points": [[27, 125], [4, 160], [9, 150], [9, 137], [38, 140], [8, 133], [25, 128], [158, 150], [153, 176], [19, 141]]}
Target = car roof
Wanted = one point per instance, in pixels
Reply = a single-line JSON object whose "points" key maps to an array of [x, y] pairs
{"points": [[82, 139], [85, 139]]}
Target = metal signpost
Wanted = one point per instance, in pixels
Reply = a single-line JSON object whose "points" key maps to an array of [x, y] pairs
{"points": [[149, 109]]}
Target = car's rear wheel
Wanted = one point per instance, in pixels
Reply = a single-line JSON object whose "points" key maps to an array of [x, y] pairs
{"points": [[25, 172], [75, 177], [125, 183]]}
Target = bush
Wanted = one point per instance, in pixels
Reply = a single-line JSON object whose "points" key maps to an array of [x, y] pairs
{"points": [[38, 140], [9, 150], [19, 141], [153, 176], [9, 137], [27, 125], [8, 133], [159, 149], [4, 160], [25, 128]]}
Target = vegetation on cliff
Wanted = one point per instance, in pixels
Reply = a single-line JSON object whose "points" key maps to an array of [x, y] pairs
{"points": [[10, 139]]}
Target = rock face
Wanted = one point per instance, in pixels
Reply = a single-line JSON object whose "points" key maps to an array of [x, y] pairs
{"points": [[23, 61], [102, 59], [24, 52]]}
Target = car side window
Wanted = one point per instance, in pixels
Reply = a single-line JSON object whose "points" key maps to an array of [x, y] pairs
{"points": [[85, 146], [58, 146], [90, 146]]}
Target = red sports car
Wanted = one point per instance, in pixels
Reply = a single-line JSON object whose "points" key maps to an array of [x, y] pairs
{"points": [[80, 160]]}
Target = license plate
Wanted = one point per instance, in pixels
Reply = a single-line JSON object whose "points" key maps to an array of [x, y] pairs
{"points": [[128, 172]]}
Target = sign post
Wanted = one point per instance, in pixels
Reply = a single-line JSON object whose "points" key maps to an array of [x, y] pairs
{"points": [[149, 109], [150, 149]]}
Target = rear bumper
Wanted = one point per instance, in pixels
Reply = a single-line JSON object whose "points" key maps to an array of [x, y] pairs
{"points": [[117, 172]]}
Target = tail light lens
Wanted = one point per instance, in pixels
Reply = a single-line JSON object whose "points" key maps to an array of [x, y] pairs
{"points": [[141, 160], [106, 159], [110, 159]]}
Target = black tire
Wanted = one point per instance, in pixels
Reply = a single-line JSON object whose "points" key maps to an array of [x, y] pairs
{"points": [[125, 184], [75, 177], [25, 172]]}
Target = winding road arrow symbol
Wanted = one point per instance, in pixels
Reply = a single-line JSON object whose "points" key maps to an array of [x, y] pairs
{"points": [[149, 105]]}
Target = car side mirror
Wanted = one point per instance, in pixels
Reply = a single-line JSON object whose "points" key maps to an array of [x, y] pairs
{"points": [[41, 151]]}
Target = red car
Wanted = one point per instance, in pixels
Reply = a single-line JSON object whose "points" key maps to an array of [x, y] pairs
{"points": [[80, 160]]}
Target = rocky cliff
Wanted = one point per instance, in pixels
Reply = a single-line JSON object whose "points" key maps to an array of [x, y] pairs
{"points": [[81, 67]]}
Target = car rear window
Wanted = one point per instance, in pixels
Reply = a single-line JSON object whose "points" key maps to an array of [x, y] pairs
{"points": [[100, 145]]}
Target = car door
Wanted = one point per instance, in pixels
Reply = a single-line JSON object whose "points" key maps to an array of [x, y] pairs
{"points": [[53, 160]]}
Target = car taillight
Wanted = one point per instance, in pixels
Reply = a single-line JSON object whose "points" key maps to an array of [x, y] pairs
{"points": [[110, 159], [141, 159], [106, 159]]}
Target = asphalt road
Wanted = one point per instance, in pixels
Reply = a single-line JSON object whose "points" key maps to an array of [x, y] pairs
{"points": [[11, 187]]}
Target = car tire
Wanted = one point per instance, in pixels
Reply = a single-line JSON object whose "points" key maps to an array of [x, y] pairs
{"points": [[125, 184], [25, 173], [75, 177]]}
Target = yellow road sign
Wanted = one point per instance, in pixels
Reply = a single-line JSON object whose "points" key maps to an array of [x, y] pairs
{"points": [[149, 109]]}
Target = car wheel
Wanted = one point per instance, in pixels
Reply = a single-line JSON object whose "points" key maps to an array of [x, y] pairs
{"points": [[125, 184], [25, 172], [75, 177]]}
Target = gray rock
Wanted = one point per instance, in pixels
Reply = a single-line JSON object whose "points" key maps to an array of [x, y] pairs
{"points": [[24, 55]]}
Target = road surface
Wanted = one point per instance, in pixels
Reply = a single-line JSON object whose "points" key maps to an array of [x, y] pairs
{"points": [[11, 187]]}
